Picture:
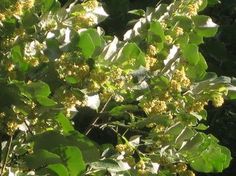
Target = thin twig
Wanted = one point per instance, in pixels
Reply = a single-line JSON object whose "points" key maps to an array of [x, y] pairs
{"points": [[29, 128], [98, 117], [7, 155]]}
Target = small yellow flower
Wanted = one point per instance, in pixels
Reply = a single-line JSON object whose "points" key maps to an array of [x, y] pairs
{"points": [[179, 31], [192, 9], [180, 167], [175, 86], [10, 67], [11, 127], [150, 62], [28, 4], [2, 17], [127, 149], [168, 39], [118, 98], [141, 165], [217, 100], [18, 8], [154, 107], [187, 173], [91, 4], [197, 106], [151, 51], [180, 77]]}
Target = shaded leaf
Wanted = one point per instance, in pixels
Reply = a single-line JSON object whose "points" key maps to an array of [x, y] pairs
{"points": [[73, 159], [42, 158], [191, 54], [65, 123], [58, 169], [205, 26]]}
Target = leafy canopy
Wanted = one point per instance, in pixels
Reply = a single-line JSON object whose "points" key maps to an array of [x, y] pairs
{"points": [[148, 90]]}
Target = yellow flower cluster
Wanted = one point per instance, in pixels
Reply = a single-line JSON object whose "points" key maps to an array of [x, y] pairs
{"points": [[127, 149], [11, 127], [193, 8], [187, 173], [2, 17], [154, 107], [178, 31], [140, 166], [179, 81], [83, 20], [181, 167], [197, 106], [67, 67], [168, 39], [175, 86], [90, 5], [68, 100], [17, 9], [152, 50], [181, 77], [217, 100], [150, 62]]}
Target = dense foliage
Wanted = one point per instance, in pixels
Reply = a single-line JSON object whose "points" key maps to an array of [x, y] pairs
{"points": [[62, 78]]}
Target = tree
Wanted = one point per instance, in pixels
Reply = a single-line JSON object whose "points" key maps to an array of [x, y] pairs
{"points": [[64, 83]]}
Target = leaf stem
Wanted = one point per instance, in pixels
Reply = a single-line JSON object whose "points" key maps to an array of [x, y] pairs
{"points": [[91, 126], [7, 155]]}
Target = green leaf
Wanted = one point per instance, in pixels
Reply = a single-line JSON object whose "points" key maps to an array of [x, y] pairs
{"points": [[184, 22], [89, 41], [131, 57], [39, 88], [191, 54], [138, 12], [185, 134], [202, 127], [88, 148], [71, 80], [53, 48], [65, 123], [163, 120], [49, 141], [198, 71], [29, 19], [214, 159], [204, 26], [58, 169], [47, 5], [45, 101], [73, 159], [205, 154], [120, 110], [156, 34], [175, 129], [194, 38], [42, 158], [213, 2], [18, 58], [193, 144], [203, 5], [107, 164], [86, 45]]}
